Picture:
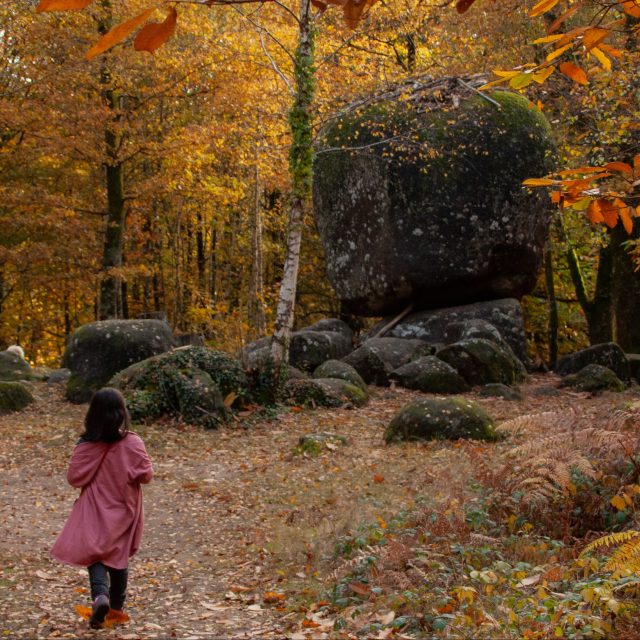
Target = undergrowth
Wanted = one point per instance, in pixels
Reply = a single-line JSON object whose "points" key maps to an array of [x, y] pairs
{"points": [[508, 556]]}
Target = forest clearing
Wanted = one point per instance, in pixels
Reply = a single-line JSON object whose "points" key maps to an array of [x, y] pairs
{"points": [[249, 537]]}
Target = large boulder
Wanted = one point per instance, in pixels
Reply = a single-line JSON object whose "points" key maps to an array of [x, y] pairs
{"points": [[309, 349], [440, 418], [14, 367], [98, 350], [481, 361], [14, 397], [191, 383], [376, 358], [334, 325], [418, 197], [431, 375], [445, 326], [607, 354]]}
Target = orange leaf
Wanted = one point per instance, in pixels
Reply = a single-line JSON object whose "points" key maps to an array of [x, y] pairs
{"points": [[319, 5], [609, 212], [636, 163], [538, 182], [310, 624], [542, 7], [612, 51], [625, 216], [594, 36], [594, 213], [631, 7], [463, 5], [360, 588], [378, 479], [558, 21], [118, 34], [353, 12], [154, 35], [271, 597], [62, 5], [622, 167], [574, 72]]}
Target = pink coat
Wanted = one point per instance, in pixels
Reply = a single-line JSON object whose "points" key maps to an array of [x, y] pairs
{"points": [[105, 524]]}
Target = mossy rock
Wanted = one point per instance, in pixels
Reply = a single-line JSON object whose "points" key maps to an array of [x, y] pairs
{"points": [[431, 375], [316, 443], [499, 390], [14, 397], [480, 361], [190, 383], [309, 349], [441, 419], [342, 370], [429, 159], [593, 378], [323, 392], [606, 354], [98, 350], [14, 367]]}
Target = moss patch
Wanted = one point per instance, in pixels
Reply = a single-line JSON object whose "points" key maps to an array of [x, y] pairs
{"points": [[14, 397]]}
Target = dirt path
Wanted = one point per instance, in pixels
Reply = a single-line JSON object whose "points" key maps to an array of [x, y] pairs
{"points": [[234, 517]]}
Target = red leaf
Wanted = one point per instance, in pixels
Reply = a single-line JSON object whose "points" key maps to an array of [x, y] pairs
{"points": [[463, 5]]}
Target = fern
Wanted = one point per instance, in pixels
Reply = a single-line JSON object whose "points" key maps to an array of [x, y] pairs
{"points": [[626, 558]]}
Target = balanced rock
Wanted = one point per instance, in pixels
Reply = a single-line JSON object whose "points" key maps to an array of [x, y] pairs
{"points": [[431, 375], [98, 350], [441, 418], [418, 197], [477, 320]]}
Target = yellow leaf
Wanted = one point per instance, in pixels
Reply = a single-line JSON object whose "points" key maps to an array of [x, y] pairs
{"points": [[62, 5], [118, 33], [154, 35], [521, 81], [619, 503], [538, 182], [543, 74], [602, 59], [558, 52], [613, 605], [230, 399], [542, 7], [506, 74], [551, 38], [587, 595], [574, 72], [593, 37]]}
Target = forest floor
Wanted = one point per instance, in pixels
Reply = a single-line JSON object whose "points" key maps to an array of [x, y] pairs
{"points": [[241, 527]]}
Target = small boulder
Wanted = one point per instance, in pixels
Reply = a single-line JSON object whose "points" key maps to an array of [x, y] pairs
{"points": [[14, 367], [607, 354], [441, 418], [480, 361], [315, 443], [431, 375], [323, 392], [309, 349], [341, 370], [499, 390], [475, 328], [593, 378], [334, 325], [59, 376], [98, 350], [376, 358], [14, 397]]}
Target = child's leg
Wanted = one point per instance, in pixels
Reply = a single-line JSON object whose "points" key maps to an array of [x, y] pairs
{"points": [[118, 589], [98, 580]]}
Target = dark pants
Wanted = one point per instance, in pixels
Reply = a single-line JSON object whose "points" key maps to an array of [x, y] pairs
{"points": [[108, 581]]}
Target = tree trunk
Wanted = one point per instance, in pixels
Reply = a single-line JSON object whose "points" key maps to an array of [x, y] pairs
{"points": [[553, 305], [256, 286], [301, 169]]}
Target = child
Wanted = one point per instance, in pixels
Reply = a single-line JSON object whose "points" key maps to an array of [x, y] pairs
{"points": [[104, 528]]}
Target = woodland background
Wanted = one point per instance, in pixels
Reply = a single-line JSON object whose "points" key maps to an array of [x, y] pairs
{"points": [[199, 134]]}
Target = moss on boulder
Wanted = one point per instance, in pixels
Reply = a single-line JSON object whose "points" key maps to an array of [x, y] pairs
{"points": [[342, 370], [441, 418], [480, 361], [14, 397], [593, 378], [430, 159], [14, 367], [190, 383], [324, 392]]}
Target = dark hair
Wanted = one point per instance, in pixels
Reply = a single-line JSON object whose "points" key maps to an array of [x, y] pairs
{"points": [[107, 419]]}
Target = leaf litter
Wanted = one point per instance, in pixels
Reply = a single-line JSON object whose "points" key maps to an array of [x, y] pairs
{"points": [[240, 530]]}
